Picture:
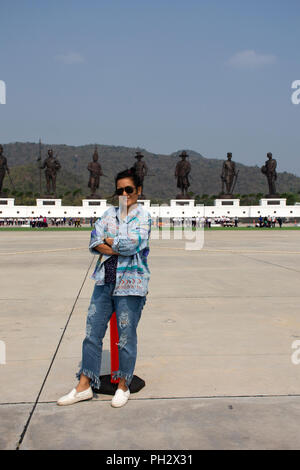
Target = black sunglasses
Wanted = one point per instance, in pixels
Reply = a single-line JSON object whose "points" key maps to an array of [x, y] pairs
{"points": [[128, 190]]}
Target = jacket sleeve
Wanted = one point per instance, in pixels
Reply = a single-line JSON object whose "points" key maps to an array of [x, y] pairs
{"points": [[97, 235], [133, 237]]}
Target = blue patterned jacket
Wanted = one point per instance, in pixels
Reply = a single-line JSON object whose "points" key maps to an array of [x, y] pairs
{"points": [[131, 241]]}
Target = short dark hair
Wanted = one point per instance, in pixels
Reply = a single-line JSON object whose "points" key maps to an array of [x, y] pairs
{"points": [[129, 173]]}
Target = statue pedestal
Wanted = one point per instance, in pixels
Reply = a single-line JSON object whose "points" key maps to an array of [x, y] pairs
{"points": [[94, 203], [182, 202], [273, 202], [94, 207], [178, 208], [48, 202], [227, 202], [7, 202]]}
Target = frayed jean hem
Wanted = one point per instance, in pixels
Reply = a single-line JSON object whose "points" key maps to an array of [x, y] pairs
{"points": [[122, 375], [95, 380]]}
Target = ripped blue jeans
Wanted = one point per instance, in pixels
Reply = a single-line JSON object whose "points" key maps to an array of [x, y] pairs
{"points": [[128, 312]]}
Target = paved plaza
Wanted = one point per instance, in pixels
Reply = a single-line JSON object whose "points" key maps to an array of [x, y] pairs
{"points": [[215, 345]]}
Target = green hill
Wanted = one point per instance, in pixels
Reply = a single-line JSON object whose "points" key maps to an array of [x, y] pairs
{"points": [[160, 185]]}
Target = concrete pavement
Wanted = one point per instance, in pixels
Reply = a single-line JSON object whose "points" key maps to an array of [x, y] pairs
{"points": [[215, 345]]}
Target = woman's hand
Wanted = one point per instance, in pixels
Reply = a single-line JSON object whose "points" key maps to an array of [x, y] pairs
{"points": [[105, 249], [109, 241]]}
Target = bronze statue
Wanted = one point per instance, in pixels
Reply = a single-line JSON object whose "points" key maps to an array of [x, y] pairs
{"points": [[269, 169], [3, 167], [95, 172], [182, 171], [228, 176], [52, 166], [141, 170]]}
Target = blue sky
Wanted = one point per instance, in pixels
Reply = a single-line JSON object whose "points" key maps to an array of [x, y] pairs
{"points": [[212, 76]]}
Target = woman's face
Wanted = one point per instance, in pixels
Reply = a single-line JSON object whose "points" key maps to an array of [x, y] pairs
{"points": [[132, 197]]}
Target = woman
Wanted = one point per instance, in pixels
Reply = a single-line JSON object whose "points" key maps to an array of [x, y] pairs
{"points": [[121, 236]]}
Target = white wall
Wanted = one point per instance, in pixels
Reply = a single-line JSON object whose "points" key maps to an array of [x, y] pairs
{"points": [[177, 208]]}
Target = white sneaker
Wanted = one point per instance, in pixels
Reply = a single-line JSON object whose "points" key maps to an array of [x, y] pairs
{"points": [[74, 397], [120, 398]]}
